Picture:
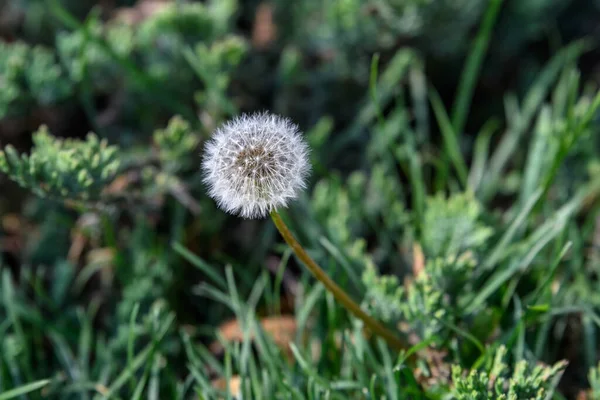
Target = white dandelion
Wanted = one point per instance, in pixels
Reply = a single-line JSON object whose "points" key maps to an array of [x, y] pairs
{"points": [[255, 164]]}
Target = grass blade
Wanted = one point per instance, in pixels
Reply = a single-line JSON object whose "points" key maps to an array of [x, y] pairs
{"points": [[139, 360], [500, 249], [538, 154], [519, 122], [200, 264], [449, 135], [28, 388], [480, 156], [473, 67]]}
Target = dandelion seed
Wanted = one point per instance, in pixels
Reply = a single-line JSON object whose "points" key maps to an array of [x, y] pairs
{"points": [[255, 164]]}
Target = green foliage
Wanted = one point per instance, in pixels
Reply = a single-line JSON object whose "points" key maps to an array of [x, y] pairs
{"points": [[88, 59], [62, 168], [385, 296], [214, 65], [452, 234], [451, 226], [175, 144], [435, 23], [594, 379], [182, 52], [90, 358], [30, 76], [525, 382], [466, 221], [160, 40], [344, 217], [428, 304]]}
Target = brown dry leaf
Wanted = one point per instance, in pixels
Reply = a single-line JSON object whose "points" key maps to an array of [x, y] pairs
{"points": [[264, 31], [14, 234], [282, 329], [81, 236], [100, 388], [11, 223], [418, 265], [105, 257], [437, 370], [234, 385], [121, 183], [413, 338], [78, 242], [418, 259], [583, 395], [138, 13], [101, 256]]}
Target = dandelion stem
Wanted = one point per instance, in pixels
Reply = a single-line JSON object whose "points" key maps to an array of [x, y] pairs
{"points": [[340, 295]]}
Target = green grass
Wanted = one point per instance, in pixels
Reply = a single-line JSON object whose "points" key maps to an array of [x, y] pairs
{"points": [[480, 249]]}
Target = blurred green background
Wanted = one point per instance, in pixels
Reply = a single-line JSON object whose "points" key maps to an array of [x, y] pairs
{"points": [[455, 186]]}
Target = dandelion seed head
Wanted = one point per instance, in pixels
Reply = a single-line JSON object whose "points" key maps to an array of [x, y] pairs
{"points": [[255, 163]]}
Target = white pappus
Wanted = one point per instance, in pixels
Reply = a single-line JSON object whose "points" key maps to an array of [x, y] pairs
{"points": [[255, 164]]}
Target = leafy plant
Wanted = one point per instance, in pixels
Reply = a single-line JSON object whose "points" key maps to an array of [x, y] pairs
{"points": [[31, 76], [456, 204], [525, 382], [62, 168]]}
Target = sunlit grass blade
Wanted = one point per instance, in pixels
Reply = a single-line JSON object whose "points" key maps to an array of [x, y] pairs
{"points": [[501, 248], [449, 134], [539, 153], [518, 122], [480, 154], [142, 357], [23, 390]]}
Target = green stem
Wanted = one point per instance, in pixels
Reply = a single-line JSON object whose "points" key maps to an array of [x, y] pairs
{"points": [[340, 295]]}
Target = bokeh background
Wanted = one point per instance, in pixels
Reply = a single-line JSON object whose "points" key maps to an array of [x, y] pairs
{"points": [[433, 125]]}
